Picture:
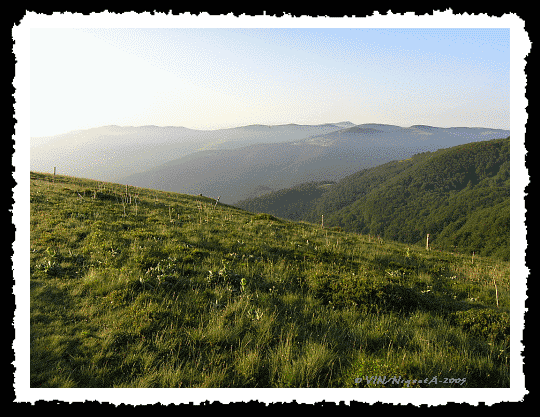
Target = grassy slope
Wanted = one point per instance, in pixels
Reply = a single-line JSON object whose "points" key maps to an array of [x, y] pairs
{"points": [[170, 291]]}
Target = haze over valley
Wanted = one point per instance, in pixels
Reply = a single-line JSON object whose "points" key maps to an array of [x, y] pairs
{"points": [[113, 152], [236, 113], [239, 163]]}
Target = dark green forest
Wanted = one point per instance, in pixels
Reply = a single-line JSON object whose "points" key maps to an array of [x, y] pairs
{"points": [[295, 203], [459, 195]]}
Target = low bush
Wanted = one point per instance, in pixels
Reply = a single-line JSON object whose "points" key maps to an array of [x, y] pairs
{"points": [[366, 294], [491, 325], [264, 216]]}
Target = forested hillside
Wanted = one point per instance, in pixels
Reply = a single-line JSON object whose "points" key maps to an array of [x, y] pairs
{"points": [[459, 195], [294, 203]]}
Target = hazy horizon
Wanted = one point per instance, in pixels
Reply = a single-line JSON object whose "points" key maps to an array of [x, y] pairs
{"points": [[270, 125], [171, 126], [209, 79]]}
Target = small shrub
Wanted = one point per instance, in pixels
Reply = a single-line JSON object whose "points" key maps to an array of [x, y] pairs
{"points": [[490, 325], [264, 216], [366, 294]]}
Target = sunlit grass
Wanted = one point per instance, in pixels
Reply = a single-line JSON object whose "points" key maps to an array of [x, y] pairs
{"points": [[179, 292]]}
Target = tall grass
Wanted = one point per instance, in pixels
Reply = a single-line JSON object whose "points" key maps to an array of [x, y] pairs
{"points": [[177, 291]]}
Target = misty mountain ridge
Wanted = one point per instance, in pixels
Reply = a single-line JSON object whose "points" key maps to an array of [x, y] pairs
{"points": [[111, 152], [235, 174], [426, 137], [234, 162]]}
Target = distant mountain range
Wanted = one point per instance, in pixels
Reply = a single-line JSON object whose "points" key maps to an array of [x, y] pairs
{"points": [[110, 153], [241, 162], [459, 195]]}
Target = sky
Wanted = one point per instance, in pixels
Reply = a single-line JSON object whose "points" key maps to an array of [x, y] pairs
{"points": [[210, 78]]}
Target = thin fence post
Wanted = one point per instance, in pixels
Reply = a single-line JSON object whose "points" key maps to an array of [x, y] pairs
{"points": [[427, 242], [496, 292]]}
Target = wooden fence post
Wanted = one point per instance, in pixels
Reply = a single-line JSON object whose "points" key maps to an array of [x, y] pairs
{"points": [[427, 242], [496, 292]]}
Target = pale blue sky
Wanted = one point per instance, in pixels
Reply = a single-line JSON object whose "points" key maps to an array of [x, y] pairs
{"points": [[218, 78]]}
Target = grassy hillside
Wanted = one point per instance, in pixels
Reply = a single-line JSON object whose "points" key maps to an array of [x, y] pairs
{"points": [[153, 289], [459, 195]]}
